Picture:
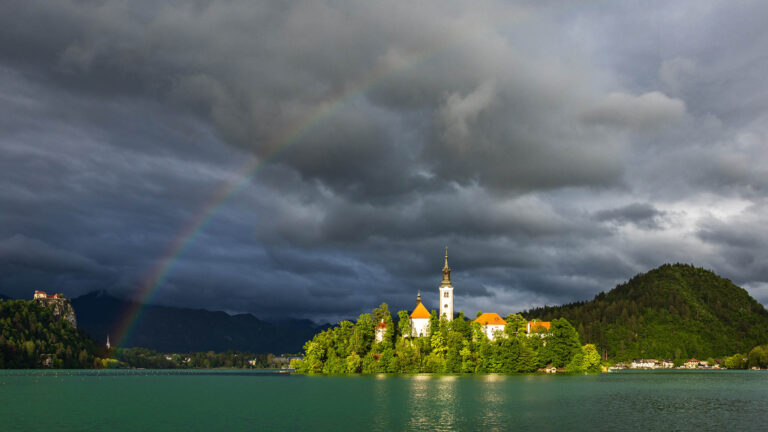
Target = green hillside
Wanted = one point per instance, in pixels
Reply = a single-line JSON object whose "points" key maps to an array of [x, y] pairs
{"points": [[674, 311], [31, 337]]}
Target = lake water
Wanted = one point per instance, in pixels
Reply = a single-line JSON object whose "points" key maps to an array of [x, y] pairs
{"points": [[251, 401]]}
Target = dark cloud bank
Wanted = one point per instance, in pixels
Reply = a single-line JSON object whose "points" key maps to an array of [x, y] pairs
{"points": [[557, 150]]}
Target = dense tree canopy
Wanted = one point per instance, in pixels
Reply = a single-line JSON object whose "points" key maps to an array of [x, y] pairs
{"points": [[458, 346]]}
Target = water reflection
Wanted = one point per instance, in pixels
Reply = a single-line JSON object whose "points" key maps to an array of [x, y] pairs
{"points": [[382, 407], [492, 401], [419, 403], [447, 403]]}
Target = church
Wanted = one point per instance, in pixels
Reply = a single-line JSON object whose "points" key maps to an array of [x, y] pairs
{"points": [[491, 324], [420, 315]]}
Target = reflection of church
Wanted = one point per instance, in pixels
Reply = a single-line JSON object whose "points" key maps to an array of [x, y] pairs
{"points": [[420, 315]]}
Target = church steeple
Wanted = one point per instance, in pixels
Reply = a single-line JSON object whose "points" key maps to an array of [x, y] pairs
{"points": [[446, 291], [446, 269]]}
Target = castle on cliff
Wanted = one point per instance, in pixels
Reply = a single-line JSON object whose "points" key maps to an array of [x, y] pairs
{"points": [[61, 306]]}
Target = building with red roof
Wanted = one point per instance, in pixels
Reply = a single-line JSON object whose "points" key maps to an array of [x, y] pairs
{"points": [[381, 329], [492, 324], [419, 319], [538, 327]]}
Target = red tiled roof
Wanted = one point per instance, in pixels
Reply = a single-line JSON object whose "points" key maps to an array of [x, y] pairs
{"points": [[491, 318], [537, 325], [420, 312]]}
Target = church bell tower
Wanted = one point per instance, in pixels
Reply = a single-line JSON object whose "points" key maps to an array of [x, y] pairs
{"points": [[446, 291]]}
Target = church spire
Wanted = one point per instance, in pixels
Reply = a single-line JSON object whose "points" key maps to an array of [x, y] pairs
{"points": [[446, 269]]}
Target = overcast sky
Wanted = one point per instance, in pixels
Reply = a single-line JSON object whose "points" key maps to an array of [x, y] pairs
{"points": [[557, 149]]}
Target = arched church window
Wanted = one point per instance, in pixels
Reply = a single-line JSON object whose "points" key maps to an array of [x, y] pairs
{"points": [[446, 294], [446, 306]]}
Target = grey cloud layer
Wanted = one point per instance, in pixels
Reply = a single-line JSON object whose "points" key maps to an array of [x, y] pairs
{"points": [[556, 150]]}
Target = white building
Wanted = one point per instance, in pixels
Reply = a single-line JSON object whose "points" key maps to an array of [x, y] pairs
{"points": [[381, 329], [446, 292], [492, 324], [644, 364], [419, 319]]}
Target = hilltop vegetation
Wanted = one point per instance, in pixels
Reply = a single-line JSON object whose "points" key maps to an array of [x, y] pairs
{"points": [[457, 346], [30, 335], [674, 311]]}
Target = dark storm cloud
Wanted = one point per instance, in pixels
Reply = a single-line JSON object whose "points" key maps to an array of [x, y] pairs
{"points": [[556, 150], [643, 215], [22, 251]]}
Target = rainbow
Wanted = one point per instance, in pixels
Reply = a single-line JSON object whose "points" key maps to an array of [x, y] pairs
{"points": [[160, 272]]}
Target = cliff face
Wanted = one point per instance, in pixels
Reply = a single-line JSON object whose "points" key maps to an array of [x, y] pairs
{"points": [[62, 308]]}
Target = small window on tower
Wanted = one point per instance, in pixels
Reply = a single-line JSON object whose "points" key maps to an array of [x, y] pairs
{"points": [[446, 306], [446, 294]]}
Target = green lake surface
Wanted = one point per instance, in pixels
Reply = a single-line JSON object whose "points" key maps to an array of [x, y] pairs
{"points": [[144, 400]]}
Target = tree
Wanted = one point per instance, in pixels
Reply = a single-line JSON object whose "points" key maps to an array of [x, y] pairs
{"points": [[363, 334], [404, 323], [736, 361], [516, 324], [562, 343]]}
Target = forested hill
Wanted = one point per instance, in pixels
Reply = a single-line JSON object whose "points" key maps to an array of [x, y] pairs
{"points": [[32, 336], [674, 311]]}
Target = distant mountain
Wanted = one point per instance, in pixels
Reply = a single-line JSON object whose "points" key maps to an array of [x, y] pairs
{"points": [[674, 311], [171, 329]]}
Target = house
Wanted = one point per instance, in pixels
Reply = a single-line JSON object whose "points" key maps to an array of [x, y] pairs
{"points": [[492, 324], [46, 360], [667, 364], [692, 364], [538, 327], [381, 329], [644, 364], [44, 295]]}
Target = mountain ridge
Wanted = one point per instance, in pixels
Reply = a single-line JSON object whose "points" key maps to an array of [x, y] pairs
{"points": [[174, 329]]}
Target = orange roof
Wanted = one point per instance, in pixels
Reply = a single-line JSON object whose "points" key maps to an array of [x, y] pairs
{"points": [[420, 312], [537, 325], [382, 324], [490, 318]]}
